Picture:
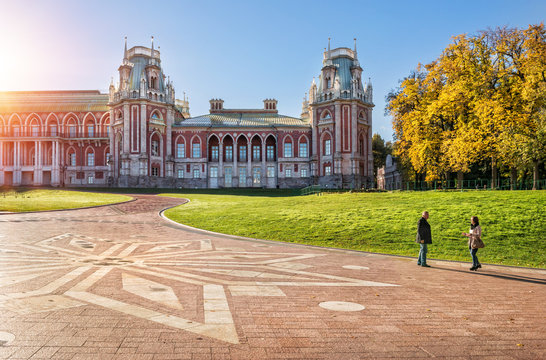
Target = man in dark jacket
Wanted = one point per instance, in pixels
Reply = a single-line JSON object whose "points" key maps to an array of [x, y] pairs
{"points": [[424, 237]]}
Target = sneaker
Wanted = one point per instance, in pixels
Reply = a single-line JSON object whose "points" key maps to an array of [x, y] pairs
{"points": [[425, 265]]}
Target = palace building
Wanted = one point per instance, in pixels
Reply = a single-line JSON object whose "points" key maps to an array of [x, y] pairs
{"points": [[140, 135]]}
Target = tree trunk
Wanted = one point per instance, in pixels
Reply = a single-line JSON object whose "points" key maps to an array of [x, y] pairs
{"points": [[460, 177], [493, 173], [513, 177], [535, 174]]}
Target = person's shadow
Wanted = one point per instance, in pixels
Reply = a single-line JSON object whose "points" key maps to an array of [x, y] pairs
{"points": [[491, 273]]}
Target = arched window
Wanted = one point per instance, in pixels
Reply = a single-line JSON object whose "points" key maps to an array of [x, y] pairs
{"points": [[196, 147], [325, 116], [242, 145], [180, 148], [256, 144], [270, 147], [326, 145], [155, 149], [71, 157], [90, 157], [287, 148], [328, 82], [227, 143], [303, 147], [214, 149]]}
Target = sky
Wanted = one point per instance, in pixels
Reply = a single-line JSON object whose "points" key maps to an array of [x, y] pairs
{"points": [[240, 51]]}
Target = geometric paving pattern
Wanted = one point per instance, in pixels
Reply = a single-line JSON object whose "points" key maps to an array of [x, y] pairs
{"points": [[86, 261]]}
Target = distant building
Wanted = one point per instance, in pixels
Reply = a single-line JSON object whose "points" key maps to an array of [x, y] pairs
{"points": [[388, 176], [140, 135]]}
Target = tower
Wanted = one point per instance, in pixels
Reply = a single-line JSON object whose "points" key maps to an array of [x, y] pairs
{"points": [[340, 111], [142, 109]]}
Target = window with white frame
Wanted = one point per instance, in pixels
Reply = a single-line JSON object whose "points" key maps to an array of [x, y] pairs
{"points": [[108, 130], [155, 171], [53, 130], [256, 153], [16, 131], [90, 159], [229, 153], [288, 173], [214, 153], [72, 159], [304, 152], [303, 172], [155, 148], [327, 170], [327, 147], [213, 172], [107, 159], [242, 152], [90, 131], [196, 150], [270, 153], [287, 149], [180, 173], [35, 131], [72, 131], [270, 171], [90, 179], [242, 176], [196, 173], [180, 151]]}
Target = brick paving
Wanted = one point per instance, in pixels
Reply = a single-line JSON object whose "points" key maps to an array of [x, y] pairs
{"points": [[120, 282]]}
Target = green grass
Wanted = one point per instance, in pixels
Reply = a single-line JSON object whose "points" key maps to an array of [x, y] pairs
{"points": [[40, 200], [513, 222]]}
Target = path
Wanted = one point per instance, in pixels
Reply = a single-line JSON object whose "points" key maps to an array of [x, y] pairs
{"points": [[119, 282]]}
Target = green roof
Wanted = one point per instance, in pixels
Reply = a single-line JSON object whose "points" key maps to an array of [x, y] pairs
{"points": [[242, 119]]}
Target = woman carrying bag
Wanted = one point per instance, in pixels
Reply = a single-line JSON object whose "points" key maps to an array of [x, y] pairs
{"points": [[474, 241]]}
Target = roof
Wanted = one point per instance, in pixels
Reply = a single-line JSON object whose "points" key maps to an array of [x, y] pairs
{"points": [[138, 72], [243, 119], [49, 101]]}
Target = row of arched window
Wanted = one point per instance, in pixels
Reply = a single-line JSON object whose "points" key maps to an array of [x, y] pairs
{"points": [[69, 126]]}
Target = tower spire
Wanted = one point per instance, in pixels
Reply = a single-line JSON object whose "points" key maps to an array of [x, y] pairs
{"points": [[152, 46], [355, 48], [329, 54]]}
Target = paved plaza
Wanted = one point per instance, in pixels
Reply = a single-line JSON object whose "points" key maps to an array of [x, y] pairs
{"points": [[121, 282]]}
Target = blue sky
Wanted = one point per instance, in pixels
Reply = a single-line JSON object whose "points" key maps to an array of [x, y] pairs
{"points": [[240, 51]]}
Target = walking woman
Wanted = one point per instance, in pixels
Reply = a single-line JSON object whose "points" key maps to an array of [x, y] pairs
{"points": [[474, 241]]}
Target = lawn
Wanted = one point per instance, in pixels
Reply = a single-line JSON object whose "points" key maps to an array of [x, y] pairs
{"points": [[513, 222], [22, 200]]}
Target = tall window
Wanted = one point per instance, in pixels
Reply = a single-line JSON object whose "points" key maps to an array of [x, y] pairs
{"points": [[256, 156], [196, 150], [72, 131], [155, 171], [53, 130], [213, 172], [242, 176], [155, 148], [214, 153], [180, 173], [196, 173], [303, 150], [229, 153], [180, 151], [73, 159], [327, 147], [35, 131], [16, 131], [287, 149], [90, 179], [327, 170], [288, 173], [270, 153], [107, 130], [90, 131], [90, 159], [242, 152], [270, 171], [303, 172]]}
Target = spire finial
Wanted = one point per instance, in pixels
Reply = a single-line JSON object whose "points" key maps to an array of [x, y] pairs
{"points": [[125, 50], [355, 44], [152, 46], [328, 48]]}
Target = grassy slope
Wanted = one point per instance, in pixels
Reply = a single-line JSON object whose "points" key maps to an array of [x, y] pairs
{"points": [[513, 222], [39, 200]]}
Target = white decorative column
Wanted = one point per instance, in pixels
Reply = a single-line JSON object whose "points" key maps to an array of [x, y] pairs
{"points": [[337, 154], [249, 164], [235, 153], [221, 174], [264, 165], [354, 136], [1, 163]]}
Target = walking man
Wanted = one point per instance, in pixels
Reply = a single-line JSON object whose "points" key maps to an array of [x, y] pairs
{"points": [[424, 237]]}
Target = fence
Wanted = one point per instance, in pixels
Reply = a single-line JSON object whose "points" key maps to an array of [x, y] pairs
{"points": [[478, 184], [309, 190]]}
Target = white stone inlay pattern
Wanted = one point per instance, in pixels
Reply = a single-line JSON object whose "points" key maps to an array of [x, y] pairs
{"points": [[160, 272], [341, 306], [355, 267]]}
